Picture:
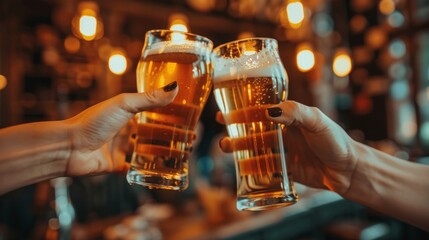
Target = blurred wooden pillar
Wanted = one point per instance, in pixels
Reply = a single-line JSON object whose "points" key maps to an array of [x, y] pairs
{"points": [[10, 64]]}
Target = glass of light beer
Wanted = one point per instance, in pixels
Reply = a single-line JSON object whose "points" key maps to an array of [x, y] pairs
{"points": [[248, 78], [164, 135]]}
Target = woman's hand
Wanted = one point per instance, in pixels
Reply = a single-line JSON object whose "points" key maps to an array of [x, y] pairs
{"points": [[94, 132], [320, 153]]}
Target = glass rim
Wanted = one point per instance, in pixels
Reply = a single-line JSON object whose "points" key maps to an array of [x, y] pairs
{"points": [[238, 41], [197, 36]]}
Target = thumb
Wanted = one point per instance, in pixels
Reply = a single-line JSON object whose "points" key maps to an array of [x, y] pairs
{"points": [[292, 113], [137, 102]]}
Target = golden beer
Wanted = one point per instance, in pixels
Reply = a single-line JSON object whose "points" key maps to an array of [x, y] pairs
{"points": [[165, 135], [245, 85]]}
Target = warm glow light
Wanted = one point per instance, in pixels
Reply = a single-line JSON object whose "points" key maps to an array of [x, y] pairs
{"points": [[295, 13], [86, 24], [179, 27], [342, 64], [117, 63], [244, 35], [358, 23], [3, 82], [71, 44], [305, 59], [178, 22], [386, 6], [88, 27]]}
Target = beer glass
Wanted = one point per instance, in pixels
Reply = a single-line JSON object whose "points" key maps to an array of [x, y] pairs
{"points": [[248, 78], [164, 135]]}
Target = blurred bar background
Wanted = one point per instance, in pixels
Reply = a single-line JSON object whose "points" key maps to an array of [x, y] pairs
{"points": [[364, 63]]}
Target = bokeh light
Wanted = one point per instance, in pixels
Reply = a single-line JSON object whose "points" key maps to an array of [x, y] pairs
{"points": [[178, 22], [3, 82], [397, 48], [86, 24], [88, 27], [342, 64], [358, 23], [398, 70], [305, 59], [376, 37], [118, 63], [323, 24], [399, 89], [179, 27], [362, 5], [386, 6], [295, 13], [396, 19], [72, 44]]}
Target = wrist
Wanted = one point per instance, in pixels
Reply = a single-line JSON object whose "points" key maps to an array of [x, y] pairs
{"points": [[390, 185], [361, 186]]}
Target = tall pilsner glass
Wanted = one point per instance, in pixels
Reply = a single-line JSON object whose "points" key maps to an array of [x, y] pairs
{"points": [[164, 136], [249, 77]]}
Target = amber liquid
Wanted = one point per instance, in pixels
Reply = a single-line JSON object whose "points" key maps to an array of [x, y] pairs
{"points": [[165, 135], [262, 177]]}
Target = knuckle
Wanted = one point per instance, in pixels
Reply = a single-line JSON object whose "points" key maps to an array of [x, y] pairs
{"points": [[294, 107], [151, 97]]}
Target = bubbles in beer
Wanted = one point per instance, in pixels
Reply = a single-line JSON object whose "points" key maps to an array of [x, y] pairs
{"points": [[165, 134], [244, 87]]}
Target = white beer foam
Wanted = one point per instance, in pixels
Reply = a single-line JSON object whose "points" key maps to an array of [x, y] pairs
{"points": [[178, 46], [262, 64]]}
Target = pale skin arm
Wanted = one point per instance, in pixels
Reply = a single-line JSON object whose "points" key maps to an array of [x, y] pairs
{"points": [[322, 155], [82, 145], [392, 186]]}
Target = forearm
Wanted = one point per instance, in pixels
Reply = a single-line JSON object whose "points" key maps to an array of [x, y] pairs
{"points": [[33, 152], [391, 186]]}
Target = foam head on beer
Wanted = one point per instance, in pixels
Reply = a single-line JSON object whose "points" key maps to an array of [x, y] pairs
{"points": [[178, 45], [255, 69]]}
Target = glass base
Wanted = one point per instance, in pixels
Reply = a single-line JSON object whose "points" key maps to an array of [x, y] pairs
{"points": [[265, 203], [157, 180]]}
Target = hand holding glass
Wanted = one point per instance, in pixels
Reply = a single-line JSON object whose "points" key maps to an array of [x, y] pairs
{"points": [[248, 78], [164, 136]]}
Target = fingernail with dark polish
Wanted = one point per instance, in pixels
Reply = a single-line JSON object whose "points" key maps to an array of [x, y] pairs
{"points": [[275, 112], [170, 87]]}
